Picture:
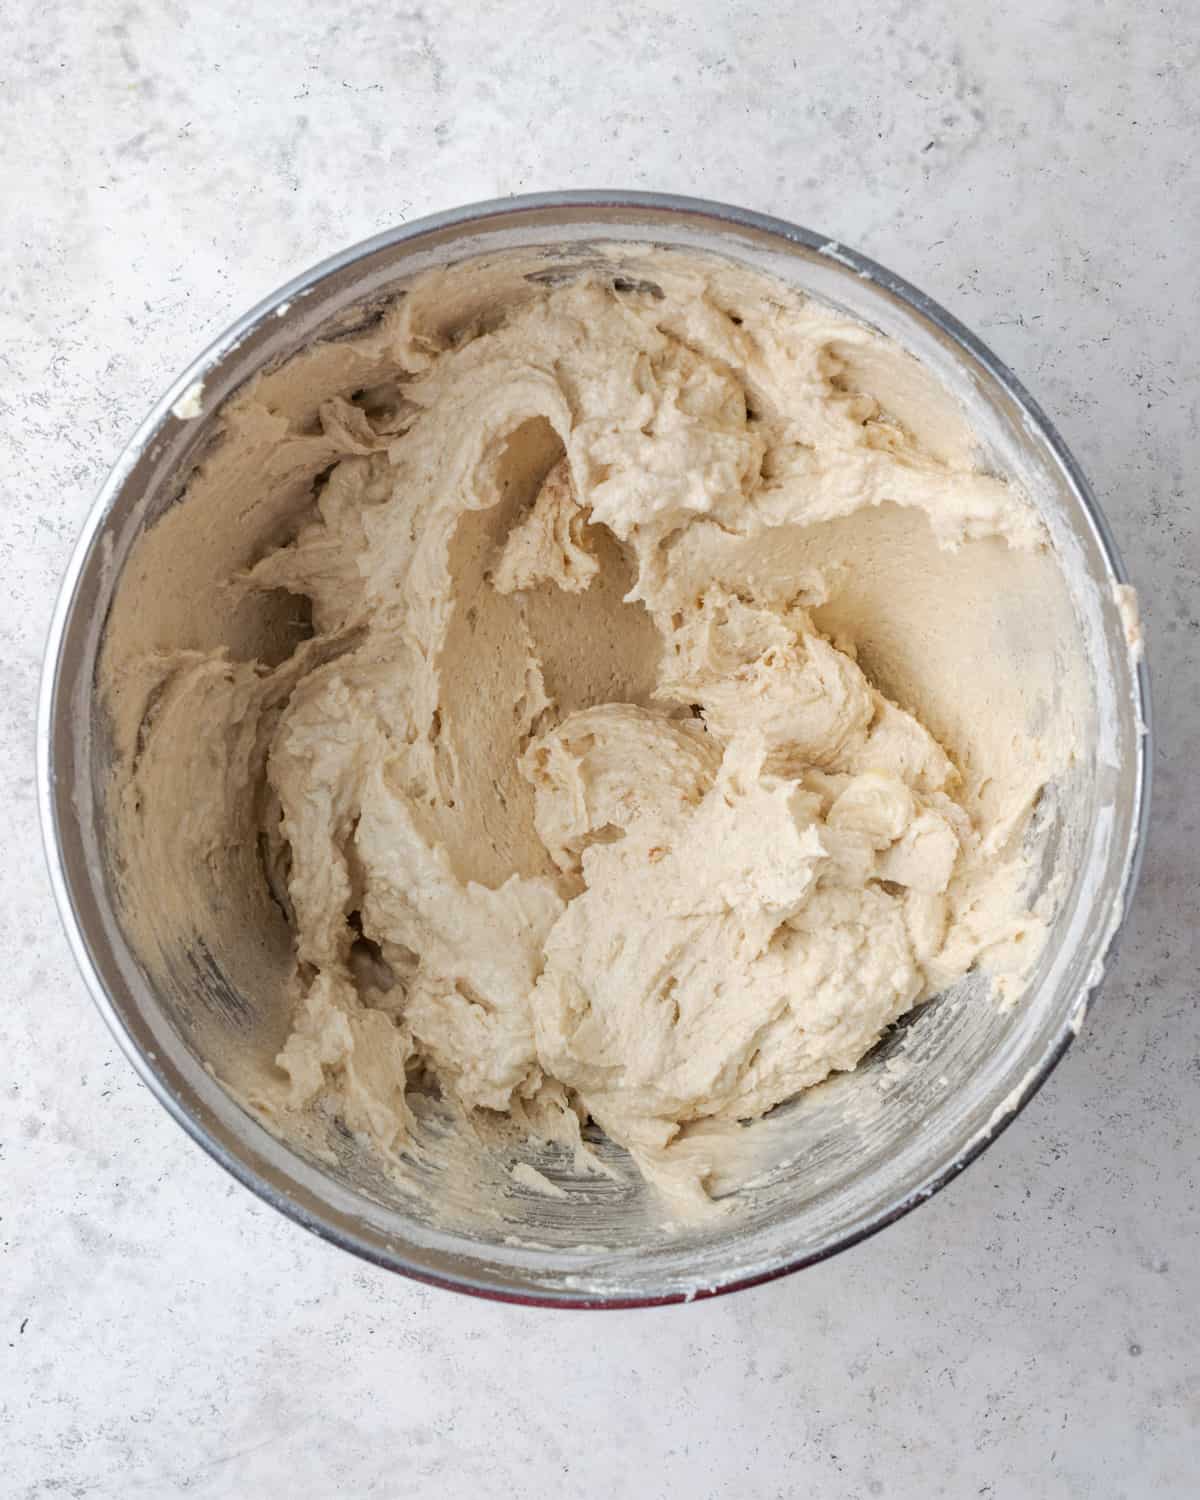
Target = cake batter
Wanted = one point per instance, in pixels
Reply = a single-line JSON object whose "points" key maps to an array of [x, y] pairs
{"points": [[580, 797]]}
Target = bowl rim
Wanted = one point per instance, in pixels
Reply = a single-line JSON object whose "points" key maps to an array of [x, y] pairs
{"points": [[463, 217]]}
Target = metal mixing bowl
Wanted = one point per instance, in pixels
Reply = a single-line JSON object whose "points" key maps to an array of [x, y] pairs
{"points": [[838, 1170]]}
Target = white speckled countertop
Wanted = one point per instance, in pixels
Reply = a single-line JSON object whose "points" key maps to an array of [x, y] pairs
{"points": [[1035, 1330]]}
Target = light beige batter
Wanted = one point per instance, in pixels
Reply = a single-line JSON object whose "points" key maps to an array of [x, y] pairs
{"points": [[582, 797]]}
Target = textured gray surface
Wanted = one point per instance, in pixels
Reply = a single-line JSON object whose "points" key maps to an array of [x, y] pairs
{"points": [[1034, 1331]]}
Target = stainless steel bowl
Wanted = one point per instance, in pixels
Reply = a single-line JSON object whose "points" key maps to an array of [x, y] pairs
{"points": [[838, 1172]]}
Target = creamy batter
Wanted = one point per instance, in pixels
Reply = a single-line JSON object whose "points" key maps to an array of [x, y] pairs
{"points": [[586, 795]]}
